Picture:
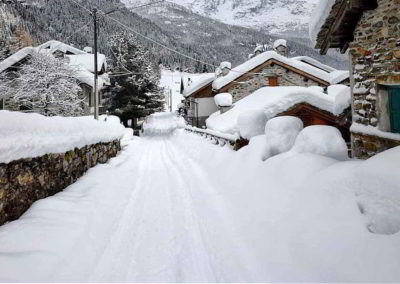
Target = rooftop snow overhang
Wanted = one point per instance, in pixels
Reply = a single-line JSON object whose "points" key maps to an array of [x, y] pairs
{"points": [[338, 29]]}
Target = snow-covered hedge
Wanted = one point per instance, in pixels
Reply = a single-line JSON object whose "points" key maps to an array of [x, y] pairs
{"points": [[25, 135]]}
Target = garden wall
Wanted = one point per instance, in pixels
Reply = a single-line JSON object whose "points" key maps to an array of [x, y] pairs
{"points": [[24, 181]]}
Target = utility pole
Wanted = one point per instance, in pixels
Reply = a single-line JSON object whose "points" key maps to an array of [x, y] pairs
{"points": [[95, 93], [170, 100]]}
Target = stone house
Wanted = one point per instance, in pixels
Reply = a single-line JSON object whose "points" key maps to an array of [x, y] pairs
{"points": [[271, 69], [80, 61], [370, 30]]}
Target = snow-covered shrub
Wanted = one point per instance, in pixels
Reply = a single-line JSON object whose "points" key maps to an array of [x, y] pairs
{"points": [[321, 140], [251, 123], [281, 133], [377, 187], [223, 100], [44, 85]]}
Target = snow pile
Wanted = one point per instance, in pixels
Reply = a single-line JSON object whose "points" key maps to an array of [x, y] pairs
{"points": [[376, 183], [223, 100], [280, 42], [163, 123], [341, 94], [281, 133], [321, 140], [320, 15], [331, 77], [32, 135], [273, 101], [251, 123], [317, 88]]}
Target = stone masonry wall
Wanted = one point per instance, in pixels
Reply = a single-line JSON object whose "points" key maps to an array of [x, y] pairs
{"points": [[255, 82], [24, 181], [375, 54], [367, 146]]}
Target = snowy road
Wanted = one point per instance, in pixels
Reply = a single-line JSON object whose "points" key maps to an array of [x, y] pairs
{"points": [[176, 208], [152, 214]]}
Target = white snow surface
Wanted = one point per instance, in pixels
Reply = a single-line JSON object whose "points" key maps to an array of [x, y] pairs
{"points": [[25, 135], [164, 123], [280, 134], [200, 82], [273, 101], [251, 123], [280, 42], [223, 100], [320, 15], [331, 77], [321, 140], [178, 209], [86, 61]]}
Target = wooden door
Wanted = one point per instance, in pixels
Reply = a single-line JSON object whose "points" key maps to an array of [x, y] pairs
{"points": [[394, 106], [272, 81]]}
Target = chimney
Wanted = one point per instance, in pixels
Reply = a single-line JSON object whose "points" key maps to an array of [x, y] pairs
{"points": [[224, 69], [280, 46]]}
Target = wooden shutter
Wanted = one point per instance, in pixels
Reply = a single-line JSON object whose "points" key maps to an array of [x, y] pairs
{"points": [[394, 105], [272, 81]]}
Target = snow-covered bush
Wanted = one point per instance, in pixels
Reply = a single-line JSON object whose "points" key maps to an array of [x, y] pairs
{"points": [[251, 123], [321, 140], [281, 133], [223, 100], [44, 85]]}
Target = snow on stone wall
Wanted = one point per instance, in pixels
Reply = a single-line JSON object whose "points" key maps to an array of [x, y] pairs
{"points": [[25, 135]]}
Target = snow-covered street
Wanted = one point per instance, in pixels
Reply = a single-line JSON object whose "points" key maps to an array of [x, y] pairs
{"points": [[175, 208]]}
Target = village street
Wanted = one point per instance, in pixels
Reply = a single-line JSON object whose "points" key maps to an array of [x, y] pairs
{"points": [[173, 207]]}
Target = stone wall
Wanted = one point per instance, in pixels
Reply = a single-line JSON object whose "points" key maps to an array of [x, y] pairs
{"points": [[24, 181], [375, 54], [254, 82], [366, 146]]}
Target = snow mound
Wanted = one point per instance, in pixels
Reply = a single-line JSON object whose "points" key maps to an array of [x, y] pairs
{"points": [[24, 135], [223, 100], [316, 88], [281, 133], [163, 123], [280, 42], [377, 187], [322, 140], [251, 123]]}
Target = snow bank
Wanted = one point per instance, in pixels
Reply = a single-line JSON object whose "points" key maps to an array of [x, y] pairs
{"points": [[251, 123], [273, 101], [32, 135], [223, 100], [321, 140], [321, 13], [332, 77], [162, 124], [376, 184], [281, 133]]}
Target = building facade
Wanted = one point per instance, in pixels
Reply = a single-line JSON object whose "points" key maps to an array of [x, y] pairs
{"points": [[370, 30]]}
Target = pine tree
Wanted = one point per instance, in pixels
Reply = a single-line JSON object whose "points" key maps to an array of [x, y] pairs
{"points": [[136, 94], [44, 85]]}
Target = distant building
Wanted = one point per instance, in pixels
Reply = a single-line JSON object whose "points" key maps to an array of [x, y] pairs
{"points": [[370, 30], [81, 62]]}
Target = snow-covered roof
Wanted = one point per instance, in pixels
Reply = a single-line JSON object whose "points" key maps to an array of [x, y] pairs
{"points": [[81, 61], [86, 61], [55, 45], [276, 100], [321, 13], [315, 63], [333, 77], [15, 58], [280, 42], [200, 82]]}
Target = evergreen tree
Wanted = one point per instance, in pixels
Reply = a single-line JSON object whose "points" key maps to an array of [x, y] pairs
{"points": [[136, 92]]}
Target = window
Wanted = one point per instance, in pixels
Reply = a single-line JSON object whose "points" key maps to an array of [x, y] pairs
{"points": [[273, 81], [1, 104], [394, 109]]}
